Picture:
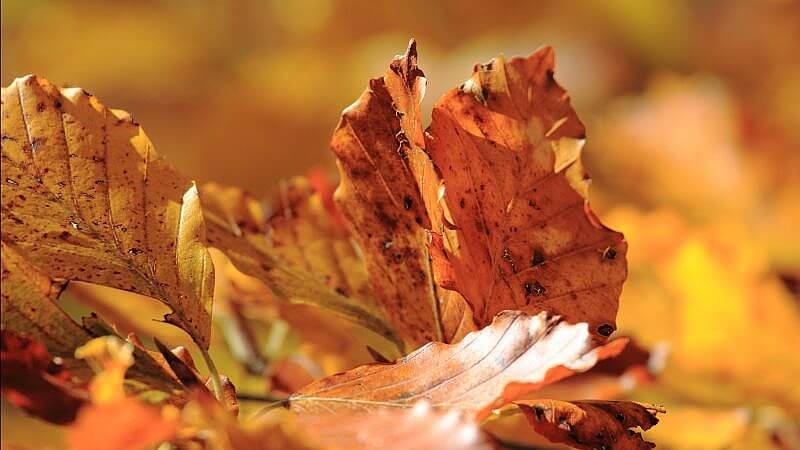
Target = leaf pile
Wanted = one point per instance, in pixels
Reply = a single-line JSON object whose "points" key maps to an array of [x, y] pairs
{"points": [[471, 241]]}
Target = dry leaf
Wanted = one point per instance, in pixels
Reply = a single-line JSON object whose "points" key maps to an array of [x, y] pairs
{"points": [[377, 145], [86, 198], [33, 381], [508, 145], [515, 355], [237, 227], [592, 424], [126, 424]]}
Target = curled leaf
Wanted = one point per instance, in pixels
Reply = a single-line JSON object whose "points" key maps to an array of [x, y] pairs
{"points": [[86, 197], [592, 424], [515, 355]]}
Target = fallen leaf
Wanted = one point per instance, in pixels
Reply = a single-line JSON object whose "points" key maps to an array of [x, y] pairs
{"points": [[515, 355], [33, 381], [592, 424], [86, 198], [126, 424], [507, 144]]}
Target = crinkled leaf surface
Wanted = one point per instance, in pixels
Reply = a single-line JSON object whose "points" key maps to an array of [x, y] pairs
{"points": [[507, 144], [516, 354], [592, 424], [85, 197], [384, 179]]}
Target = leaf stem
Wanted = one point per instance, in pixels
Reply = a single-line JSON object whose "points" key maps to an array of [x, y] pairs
{"points": [[216, 382]]}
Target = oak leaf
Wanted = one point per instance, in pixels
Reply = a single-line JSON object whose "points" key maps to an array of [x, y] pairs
{"points": [[513, 356], [592, 424], [86, 198]]}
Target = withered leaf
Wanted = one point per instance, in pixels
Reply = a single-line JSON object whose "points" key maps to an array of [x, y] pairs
{"points": [[592, 424], [513, 356], [382, 195], [507, 144], [237, 225], [85, 197], [31, 380]]}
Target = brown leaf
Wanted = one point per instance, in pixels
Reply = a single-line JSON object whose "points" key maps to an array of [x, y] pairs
{"points": [[127, 424], [85, 197], [33, 381], [515, 355], [508, 144], [378, 148], [592, 424]]}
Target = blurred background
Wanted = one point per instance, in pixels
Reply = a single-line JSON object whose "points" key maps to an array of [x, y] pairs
{"points": [[693, 115]]}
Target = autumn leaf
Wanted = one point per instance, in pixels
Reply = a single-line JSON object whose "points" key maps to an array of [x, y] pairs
{"points": [[86, 198], [419, 428], [515, 355], [33, 381], [125, 424], [507, 144], [237, 226], [381, 194], [592, 424], [29, 310]]}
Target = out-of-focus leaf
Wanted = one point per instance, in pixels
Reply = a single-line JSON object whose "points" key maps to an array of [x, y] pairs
{"points": [[125, 424], [237, 226], [508, 146], [515, 355], [592, 424], [110, 358], [419, 428], [33, 381], [701, 428], [381, 194], [86, 198]]}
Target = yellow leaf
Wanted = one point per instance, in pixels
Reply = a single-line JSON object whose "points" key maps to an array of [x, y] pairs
{"points": [[86, 198]]}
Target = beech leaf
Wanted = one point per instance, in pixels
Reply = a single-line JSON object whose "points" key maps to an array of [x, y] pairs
{"points": [[386, 180], [513, 356], [507, 144], [86, 197], [592, 424]]}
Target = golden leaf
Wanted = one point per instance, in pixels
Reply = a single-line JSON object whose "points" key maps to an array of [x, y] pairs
{"points": [[86, 198]]}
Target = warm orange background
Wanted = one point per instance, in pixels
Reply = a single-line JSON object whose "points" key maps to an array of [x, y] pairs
{"points": [[693, 127]]}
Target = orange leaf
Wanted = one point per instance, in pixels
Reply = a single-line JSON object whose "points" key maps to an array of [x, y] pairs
{"points": [[508, 144], [127, 424], [515, 355]]}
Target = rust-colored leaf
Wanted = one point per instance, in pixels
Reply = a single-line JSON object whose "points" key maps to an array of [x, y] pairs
{"points": [[513, 356], [127, 424], [33, 381], [592, 424], [382, 194], [507, 144]]}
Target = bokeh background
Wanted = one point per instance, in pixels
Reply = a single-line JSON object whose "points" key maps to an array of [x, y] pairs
{"points": [[693, 115]]}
